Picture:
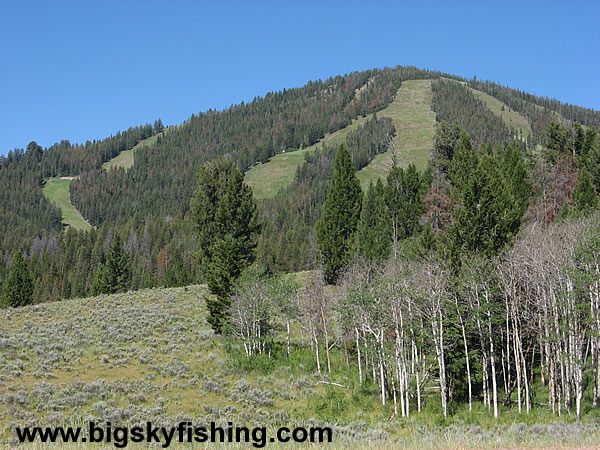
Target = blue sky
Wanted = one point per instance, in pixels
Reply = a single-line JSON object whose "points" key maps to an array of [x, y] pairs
{"points": [[84, 70]]}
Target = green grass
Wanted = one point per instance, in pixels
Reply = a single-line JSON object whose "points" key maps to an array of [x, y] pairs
{"points": [[511, 118], [414, 121], [150, 356], [57, 191]]}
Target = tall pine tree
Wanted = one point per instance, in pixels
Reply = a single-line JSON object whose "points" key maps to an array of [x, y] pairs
{"points": [[336, 229], [226, 220], [584, 195], [404, 200], [18, 287], [115, 275], [374, 231]]}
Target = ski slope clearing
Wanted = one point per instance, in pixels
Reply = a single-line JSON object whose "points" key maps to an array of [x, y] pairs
{"points": [[414, 121], [57, 191]]}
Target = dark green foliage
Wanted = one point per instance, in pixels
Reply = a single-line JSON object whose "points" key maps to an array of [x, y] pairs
{"points": [[373, 236], [489, 215], [336, 229], [591, 156], [578, 138], [404, 200], [148, 205], [444, 142], [454, 103], [369, 140], [115, 275], [18, 286], [557, 140], [584, 196], [225, 216], [512, 167], [464, 163], [158, 126]]}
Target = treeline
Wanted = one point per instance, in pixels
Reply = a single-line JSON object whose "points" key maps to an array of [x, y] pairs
{"points": [[67, 264], [529, 105]]}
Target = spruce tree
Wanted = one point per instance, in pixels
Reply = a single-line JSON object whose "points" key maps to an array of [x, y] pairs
{"points": [[374, 231], [489, 215], [584, 194], [18, 287], [226, 220], [591, 157], [115, 275], [404, 201], [341, 212]]}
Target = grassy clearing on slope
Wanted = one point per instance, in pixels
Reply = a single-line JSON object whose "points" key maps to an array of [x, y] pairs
{"points": [[413, 118], [57, 191], [125, 158], [511, 118], [414, 121], [267, 179]]}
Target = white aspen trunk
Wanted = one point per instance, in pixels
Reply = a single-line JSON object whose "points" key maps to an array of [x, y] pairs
{"points": [[288, 337], [524, 367], [418, 392], [360, 374], [395, 400], [316, 343], [508, 380], [326, 341], [439, 348], [462, 325], [382, 369], [518, 369], [405, 378], [400, 374], [485, 384], [492, 364]]}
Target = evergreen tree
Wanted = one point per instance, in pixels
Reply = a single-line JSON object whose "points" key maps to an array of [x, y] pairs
{"points": [[591, 155], [404, 200], [515, 175], [374, 231], [115, 275], [584, 194], [336, 229], [557, 140], [158, 126], [578, 138], [18, 287], [489, 216], [445, 140], [226, 220], [464, 162]]}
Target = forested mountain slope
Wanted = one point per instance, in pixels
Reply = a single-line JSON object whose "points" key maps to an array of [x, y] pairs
{"points": [[145, 199]]}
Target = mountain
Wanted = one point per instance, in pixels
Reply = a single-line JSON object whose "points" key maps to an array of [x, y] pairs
{"points": [[138, 183], [460, 237]]}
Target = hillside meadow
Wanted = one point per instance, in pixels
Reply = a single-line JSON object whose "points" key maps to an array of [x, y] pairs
{"points": [[150, 356]]}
